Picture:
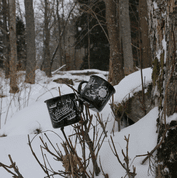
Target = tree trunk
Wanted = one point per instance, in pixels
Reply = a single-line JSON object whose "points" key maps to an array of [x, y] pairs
{"points": [[88, 48], [47, 66], [116, 72], [59, 35], [171, 66], [145, 46], [164, 41], [5, 38], [13, 48], [30, 39], [64, 35], [125, 32]]}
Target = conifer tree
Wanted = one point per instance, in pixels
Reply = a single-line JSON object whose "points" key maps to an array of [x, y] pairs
{"points": [[92, 22], [21, 46]]}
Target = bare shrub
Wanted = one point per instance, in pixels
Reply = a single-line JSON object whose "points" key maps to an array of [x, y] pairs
{"points": [[75, 163]]}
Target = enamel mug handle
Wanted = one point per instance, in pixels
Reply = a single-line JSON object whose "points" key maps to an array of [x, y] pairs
{"points": [[80, 86]]}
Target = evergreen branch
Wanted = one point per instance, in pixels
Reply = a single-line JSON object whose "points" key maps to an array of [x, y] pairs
{"points": [[98, 21]]}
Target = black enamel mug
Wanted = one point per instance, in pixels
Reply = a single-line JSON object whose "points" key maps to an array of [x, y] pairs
{"points": [[96, 93], [64, 110]]}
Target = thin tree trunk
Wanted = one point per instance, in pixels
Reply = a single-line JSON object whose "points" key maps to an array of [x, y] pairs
{"points": [[59, 35], [47, 67], [88, 45], [88, 49], [116, 72], [5, 38], [125, 31], [13, 48], [146, 50], [30, 39], [64, 35]]}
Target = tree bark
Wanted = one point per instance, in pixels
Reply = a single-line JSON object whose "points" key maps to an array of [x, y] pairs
{"points": [[13, 48], [59, 35], [64, 35], [125, 32], [163, 34], [47, 66], [145, 46], [116, 72], [30, 39], [171, 66], [5, 38]]}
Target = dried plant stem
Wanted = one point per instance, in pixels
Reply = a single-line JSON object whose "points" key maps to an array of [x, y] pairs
{"points": [[9, 108], [105, 175], [125, 165], [29, 142], [69, 143], [12, 166]]}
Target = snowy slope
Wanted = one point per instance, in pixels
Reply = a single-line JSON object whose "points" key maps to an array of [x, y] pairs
{"points": [[25, 116]]}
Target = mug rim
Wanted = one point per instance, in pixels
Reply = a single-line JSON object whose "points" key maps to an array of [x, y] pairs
{"points": [[60, 97], [105, 81]]}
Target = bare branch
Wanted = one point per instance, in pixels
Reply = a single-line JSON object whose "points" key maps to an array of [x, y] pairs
{"points": [[12, 166]]}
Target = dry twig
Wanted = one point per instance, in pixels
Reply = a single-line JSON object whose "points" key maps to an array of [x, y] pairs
{"points": [[12, 166], [125, 165]]}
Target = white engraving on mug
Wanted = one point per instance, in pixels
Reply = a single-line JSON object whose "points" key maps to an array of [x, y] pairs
{"points": [[91, 83], [68, 101], [60, 112], [91, 94], [102, 92], [68, 117], [71, 116], [53, 106]]}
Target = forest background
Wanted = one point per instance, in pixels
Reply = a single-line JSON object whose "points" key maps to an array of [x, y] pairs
{"points": [[74, 34]]}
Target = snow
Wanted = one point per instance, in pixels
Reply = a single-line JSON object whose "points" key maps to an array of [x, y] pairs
{"points": [[131, 84], [155, 5], [26, 112], [172, 117], [164, 45]]}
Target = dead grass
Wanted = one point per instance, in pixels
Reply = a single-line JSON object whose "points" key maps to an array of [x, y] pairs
{"points": [[2, 96]]}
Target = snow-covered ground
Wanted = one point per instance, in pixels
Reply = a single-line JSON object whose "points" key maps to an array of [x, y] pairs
{"points": [[26, 112]]}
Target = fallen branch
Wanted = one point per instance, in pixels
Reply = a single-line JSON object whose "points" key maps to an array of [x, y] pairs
{"points": [[54, 72]]}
